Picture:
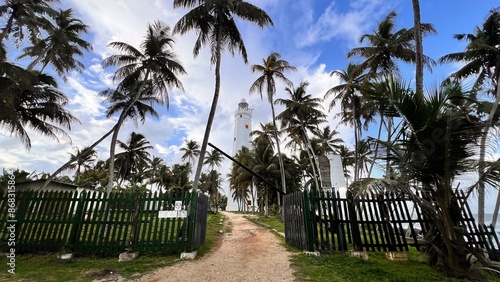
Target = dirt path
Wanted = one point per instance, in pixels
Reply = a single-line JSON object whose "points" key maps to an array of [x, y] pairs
{"points": [[248, 253]]}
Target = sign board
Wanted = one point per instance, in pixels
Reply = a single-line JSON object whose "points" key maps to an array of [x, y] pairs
{"points": [[173, 214], [178, 205]]}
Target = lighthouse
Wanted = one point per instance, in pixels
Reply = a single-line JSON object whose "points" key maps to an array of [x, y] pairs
{"points": [[241, 137]]}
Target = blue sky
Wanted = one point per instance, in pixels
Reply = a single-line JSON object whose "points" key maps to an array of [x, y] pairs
{"points": [[314, 36]]}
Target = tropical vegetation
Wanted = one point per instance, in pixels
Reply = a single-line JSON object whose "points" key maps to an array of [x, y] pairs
{"points": [[426, 141]]}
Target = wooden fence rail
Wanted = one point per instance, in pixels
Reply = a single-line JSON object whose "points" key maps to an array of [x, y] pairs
{"points": [[101, 223]]}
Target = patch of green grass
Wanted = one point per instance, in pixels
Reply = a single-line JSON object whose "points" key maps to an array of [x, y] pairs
{"points": [[336, 267], [271, 222], [83, 269]]}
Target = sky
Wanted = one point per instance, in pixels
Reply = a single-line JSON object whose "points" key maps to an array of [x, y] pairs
{"points": [[312, 35]]}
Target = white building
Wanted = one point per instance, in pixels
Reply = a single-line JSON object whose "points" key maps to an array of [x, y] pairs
{"points": [[242, 129]]}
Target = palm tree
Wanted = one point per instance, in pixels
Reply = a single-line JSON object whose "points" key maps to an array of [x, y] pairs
{"points": [[214, 22], [153, 67], [121, 99], [62, 44], [213, 159], [191, 151], [33, 101], [211, 183], [180, 178], [266, 132], [133, 158], [328, 142], [351, 101], [22, 15], [302, 114], [387, 46], [436, 145], [272, 68], [348, 160], [84, 160], [482, 59]]}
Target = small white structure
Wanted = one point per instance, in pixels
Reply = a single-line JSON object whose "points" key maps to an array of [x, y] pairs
{"points": [[332, 174], [242, 129]]}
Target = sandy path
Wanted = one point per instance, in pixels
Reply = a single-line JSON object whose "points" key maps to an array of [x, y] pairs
{"points": [[248, 253]]}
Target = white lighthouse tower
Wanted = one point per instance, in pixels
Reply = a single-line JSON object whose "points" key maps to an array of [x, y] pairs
{"points": [[242, 129]]}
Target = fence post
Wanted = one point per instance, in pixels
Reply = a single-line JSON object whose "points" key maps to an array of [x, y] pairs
{"points": [[191, 221], [308, 223], [356, 235]]}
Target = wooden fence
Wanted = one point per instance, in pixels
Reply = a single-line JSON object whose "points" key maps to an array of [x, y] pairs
{"points": [[102, 224], [319, 221]]}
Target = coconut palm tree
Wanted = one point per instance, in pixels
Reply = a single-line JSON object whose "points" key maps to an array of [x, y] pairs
{"points": [[25, 15], [386, 46], [84, 160], [327, 140], [214, 22], [482, 59], [152, 68], [213, 159], [302, 114], [134, 157], [180, 178], [121, 99], [32, 100], [352, 105], [211, 183], [272, 69], [191, 151], [266, 132], [62, 44]]}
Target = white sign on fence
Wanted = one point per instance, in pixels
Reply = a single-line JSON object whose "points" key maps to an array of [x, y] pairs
{"points": [[172, 214], [178, 205]]}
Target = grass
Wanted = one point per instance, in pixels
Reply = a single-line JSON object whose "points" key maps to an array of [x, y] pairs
{"points": [[49, 268]]}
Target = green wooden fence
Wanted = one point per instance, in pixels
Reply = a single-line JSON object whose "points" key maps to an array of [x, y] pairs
{"points": [[100, 223], [325, 222]]}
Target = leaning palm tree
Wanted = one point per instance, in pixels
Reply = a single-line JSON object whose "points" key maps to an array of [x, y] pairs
{"points": [[25, 15], [153, 67], [62, 44], [191, 151], [272, 68], [482, 59], [214, 22]]}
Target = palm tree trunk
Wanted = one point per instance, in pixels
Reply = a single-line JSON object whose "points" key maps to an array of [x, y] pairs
{"points": [[211, 115], [114, 138], [280, 158], [482, 154], [66, 165], [7, 27], [419, 50], [309, 150], [376, 146]]}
